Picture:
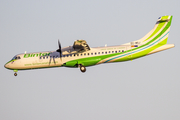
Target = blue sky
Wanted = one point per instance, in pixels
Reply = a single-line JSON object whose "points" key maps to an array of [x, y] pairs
{"points": [[145, 88]]}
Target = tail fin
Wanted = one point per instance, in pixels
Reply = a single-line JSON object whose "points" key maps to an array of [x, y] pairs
{"points": [[159, 33]]}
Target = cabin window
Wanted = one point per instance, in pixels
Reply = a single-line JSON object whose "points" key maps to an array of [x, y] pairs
{"points": [[81, 54], [102, 52], [119, 51], [112, 51], [18, 57], [84, 54], [70, 55], [122, 50], [98, 52], [74, 55], [77, 54], [109, 51], [95, 53], [67, 55], [43, 57], [106, 52], [88, 54], [91, 53], [115, 51], [39, 57], [46, 57]]}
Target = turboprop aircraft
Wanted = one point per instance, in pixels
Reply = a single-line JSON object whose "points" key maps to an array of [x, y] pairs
{"points": [[80, 55]]}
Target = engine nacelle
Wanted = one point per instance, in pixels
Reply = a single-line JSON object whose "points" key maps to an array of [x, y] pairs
{"points": [[80, 45]]}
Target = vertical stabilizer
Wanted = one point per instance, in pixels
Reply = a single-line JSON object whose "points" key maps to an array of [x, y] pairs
{"points": [[159, 33]]}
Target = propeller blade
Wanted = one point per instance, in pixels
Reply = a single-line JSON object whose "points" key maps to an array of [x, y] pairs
{"points": [[54, 61], [59, 50], [50, 60], [52, 57], [59, 45]]}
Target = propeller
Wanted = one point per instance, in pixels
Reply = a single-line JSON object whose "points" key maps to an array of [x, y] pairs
{"points": [[59, 50]]}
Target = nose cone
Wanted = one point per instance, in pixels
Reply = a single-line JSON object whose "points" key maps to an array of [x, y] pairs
{"points": [[10, 65], [6, 65]]}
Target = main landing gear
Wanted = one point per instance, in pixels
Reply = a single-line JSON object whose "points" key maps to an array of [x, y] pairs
{"points": [[82, 68]]}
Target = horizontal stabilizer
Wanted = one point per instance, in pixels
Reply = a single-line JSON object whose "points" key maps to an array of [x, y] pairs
{"points": [[164, 47]]}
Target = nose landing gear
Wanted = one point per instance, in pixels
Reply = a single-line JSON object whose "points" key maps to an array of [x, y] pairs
{"points": [[15, 74]]}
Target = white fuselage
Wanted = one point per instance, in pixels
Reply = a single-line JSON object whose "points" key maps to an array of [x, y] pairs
{"points": [[52, 58], [37, 60]]}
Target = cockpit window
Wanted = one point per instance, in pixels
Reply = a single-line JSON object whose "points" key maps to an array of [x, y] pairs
{"points": [[16, 58]]}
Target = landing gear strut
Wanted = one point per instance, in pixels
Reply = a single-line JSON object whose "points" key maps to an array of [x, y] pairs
{"points": [[82, 68]]}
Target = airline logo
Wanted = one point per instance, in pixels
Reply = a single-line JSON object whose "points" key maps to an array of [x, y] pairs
{"points": [[36, 54]]}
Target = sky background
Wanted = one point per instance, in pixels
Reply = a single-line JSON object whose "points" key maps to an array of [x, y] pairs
{"points": [[143, 89]]}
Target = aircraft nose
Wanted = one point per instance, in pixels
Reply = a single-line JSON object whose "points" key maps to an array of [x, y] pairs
{"points": [[6, 65]]}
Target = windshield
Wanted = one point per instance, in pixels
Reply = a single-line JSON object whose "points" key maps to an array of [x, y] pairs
{"points": [[16, 57]]}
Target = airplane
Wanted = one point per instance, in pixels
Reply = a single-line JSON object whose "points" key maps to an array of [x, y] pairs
{"points": [[80, 55]]}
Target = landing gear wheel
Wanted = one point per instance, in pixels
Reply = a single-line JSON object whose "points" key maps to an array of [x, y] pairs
{"points": [[82, 68], [15, 74]]}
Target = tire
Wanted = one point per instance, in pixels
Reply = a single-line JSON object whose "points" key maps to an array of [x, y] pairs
{"points": [[15, 74], [82, 68]]}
